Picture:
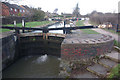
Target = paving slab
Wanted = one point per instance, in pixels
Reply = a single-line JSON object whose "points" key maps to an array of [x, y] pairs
{"points": [[108, 63], [98, 70], [106, 32], [75, 41], [115, 56], [85, 75]]}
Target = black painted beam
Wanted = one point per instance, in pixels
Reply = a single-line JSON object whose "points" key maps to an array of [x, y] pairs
{"points": [[72, 28], [62, 28], [25, 28]]}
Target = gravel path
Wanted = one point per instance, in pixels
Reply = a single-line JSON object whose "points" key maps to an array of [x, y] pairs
{"points": [[108, 33], [103, 31]]}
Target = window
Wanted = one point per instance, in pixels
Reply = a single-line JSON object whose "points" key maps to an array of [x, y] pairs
{"points": [[15, 10], [11, 9], [23, 10], [20, 10]]}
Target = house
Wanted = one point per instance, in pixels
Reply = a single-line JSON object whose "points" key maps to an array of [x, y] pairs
{"points": [[67, 14], [5, 10], [20, 10], [14, 10], [27, 10]]}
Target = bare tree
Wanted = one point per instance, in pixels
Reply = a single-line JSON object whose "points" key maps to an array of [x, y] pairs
{"points": [[76, 12], [100, 18]]}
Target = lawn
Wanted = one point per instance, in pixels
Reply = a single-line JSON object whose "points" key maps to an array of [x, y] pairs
{"points": [[80, 23], [4, 30], [115, 72], [89, 31], [32, 24], [116, 43], [28, 24]]}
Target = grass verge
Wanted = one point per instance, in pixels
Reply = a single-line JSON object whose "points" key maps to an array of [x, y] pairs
{"points": [[89, 31], [32, 24], [112, 31], [4, 30], [116, 43], [115, 72], [80, 23], [28, 24]]}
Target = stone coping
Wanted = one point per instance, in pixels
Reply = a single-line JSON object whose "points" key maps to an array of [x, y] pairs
{"points": [[87, 39]]}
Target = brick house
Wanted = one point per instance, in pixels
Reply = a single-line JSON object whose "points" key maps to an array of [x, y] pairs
{"points": [[5, 10], [14, 9], [20, 10], [27, 10]]}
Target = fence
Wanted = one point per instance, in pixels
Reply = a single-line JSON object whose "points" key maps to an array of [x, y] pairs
{"points": [[115, 27]]}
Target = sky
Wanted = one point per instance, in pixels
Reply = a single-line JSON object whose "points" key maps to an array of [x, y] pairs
{"points": [[67, 6]]}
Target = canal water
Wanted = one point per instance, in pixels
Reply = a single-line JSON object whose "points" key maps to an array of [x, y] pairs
{"points": [[59, 25], [40, 66], [34, 67]]}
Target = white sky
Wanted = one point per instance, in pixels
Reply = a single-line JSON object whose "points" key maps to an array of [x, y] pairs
{"points": [[67, 6]]}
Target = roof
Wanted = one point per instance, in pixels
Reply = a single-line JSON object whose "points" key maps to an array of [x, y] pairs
{"points": [[25, 6], [18, 7], [12, 5]]}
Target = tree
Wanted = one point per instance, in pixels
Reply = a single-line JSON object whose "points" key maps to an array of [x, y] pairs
{"points": [[101, 18], [55, 11], [38, 14], [76, 12]]}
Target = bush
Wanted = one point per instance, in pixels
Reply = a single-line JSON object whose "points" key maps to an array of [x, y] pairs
{"points": [[38, 14]]}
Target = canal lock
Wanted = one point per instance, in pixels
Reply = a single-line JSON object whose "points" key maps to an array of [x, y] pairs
{"points": [[29, 46]]}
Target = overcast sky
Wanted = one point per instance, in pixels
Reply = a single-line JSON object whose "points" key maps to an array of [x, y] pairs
{"points": [[67, 6]]}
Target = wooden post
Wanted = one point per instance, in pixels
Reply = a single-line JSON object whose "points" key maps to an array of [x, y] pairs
{"points": [[64, 28], [46, 36], [43, 36], [23, 26], [15, 26], [15, 23], [117, 28], [16, 30]]}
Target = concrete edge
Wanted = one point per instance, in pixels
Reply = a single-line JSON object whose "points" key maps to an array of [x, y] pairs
{"points": [[116, 60]]}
